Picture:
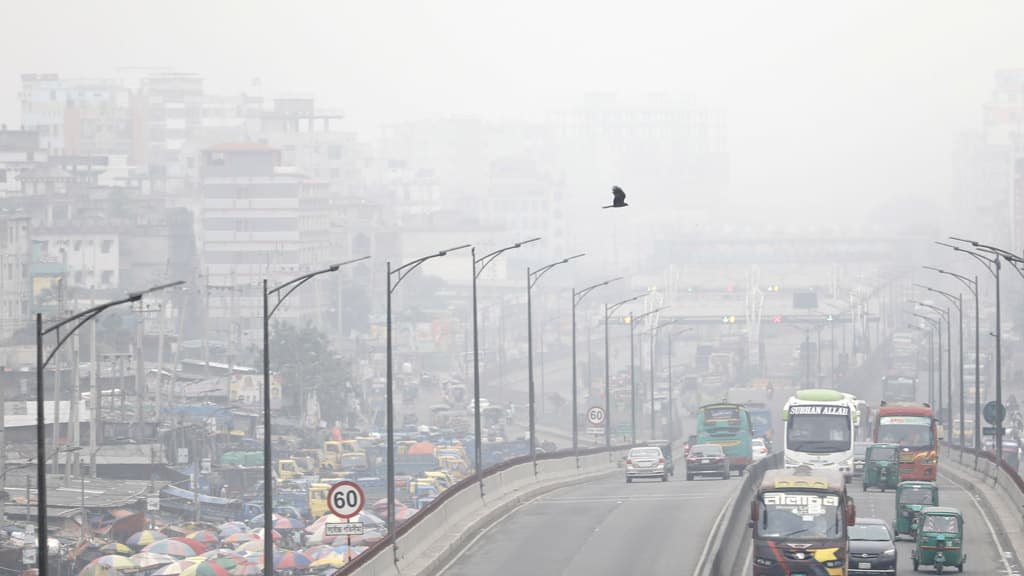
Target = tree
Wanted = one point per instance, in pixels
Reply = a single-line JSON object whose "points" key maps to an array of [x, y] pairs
{"points": [[304, 361]]}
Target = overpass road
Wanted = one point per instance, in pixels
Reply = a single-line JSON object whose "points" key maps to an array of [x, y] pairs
{"points": [[601, 527]]}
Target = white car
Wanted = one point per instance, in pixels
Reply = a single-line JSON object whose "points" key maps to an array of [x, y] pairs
{"points": [[758, 449]]}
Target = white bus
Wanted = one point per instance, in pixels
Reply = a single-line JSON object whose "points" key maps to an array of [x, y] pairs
{"points": [[820, 429]]}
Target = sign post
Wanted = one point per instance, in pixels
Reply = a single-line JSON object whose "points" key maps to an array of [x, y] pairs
{"points": [[345, 500]]}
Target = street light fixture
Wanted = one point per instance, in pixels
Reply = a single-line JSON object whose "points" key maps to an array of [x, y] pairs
{"points": [[608, 311], [77, 321], [399, 273], [532, 277], [282, 292], [956, 301], [479, 264], [632, 372], [577, 297], [972, 285], [994, 266], [946, 316]]}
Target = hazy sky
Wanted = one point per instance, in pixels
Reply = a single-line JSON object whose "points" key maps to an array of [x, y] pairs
{"points": [[837, 104]]}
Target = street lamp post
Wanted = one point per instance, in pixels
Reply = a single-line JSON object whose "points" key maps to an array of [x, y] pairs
{"points": [[972, 285], [76, 321], [479, 264], [399, 273], [946, 316], [994, 266], [671, 421], [632, 371], [282, 292], [608, 311], [577, 297], [532, 277], [957, 302], [936, 325]]}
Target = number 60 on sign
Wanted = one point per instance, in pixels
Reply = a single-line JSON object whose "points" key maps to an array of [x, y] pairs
{"points": [[345, 499]]}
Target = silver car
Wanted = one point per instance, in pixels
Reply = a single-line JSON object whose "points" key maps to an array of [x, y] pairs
{"points": [[646, 462]]}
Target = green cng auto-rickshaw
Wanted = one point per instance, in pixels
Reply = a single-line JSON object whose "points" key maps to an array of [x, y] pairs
{"points": [[939, 541], [882, 466], [911, 497]]}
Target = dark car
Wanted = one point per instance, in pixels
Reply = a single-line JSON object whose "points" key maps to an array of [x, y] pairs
{"points": [[860, 449], [872, 549], [707, 460]]}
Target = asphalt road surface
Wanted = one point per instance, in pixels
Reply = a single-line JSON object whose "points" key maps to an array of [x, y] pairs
{"points": [[984, 557], [601, 527]]}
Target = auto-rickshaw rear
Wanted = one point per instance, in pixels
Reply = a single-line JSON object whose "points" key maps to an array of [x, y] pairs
{"points": [[940, 538]]}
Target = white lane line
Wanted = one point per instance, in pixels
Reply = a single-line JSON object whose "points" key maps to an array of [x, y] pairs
{"points": [[711, 536], [638, 498], [991, 528]]}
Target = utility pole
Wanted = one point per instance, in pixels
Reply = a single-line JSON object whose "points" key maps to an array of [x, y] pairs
{"points": [[94, 394], [3, 458], [140, 372]]}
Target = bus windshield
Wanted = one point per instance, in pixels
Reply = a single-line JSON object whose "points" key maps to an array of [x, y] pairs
{"points": [[818, 433], [800, 514], [914, 432]]}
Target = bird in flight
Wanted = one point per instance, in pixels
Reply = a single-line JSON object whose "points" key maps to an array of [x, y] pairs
{"points": [[618, 198]]}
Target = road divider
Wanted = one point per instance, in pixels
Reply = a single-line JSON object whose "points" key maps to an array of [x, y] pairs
{"points": [[725, 551]]}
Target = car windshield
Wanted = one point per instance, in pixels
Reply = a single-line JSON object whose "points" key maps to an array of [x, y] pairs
{"points": [[798, 514], [818, 433], [916, 496], [874, 532], [941, 524], [706, 451], [913, 432], [645, 453]]}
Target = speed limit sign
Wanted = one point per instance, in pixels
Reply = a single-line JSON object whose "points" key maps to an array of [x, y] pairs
{"points": [[595, 416], [345, 499]]}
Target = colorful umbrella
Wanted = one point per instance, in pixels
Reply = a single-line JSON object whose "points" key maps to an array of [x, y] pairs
{"points": [[223, 553], [273, 534], [116, 548], [241, 537], [248, 569], [228, 528], [228, 564], [318, 552], [116, 562], [197, 546], [291, 561], [333, 560], [207, 538], [150, 560], [170, 547], [145, 538], [174, 568], [205, 569]]}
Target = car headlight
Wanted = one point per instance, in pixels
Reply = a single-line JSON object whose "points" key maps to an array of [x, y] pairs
{"points": [[764, 562], [889, 553]]}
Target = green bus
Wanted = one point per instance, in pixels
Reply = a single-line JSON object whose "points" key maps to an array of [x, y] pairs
{"points": [[727, 425]]}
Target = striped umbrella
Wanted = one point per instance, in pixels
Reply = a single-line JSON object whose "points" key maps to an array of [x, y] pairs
{"points": [[116, 548], [151, 560], [291, 561], [273, 534], [116, 562], [197, 546], [207, 568], [240, 538], [332, 560], [251, 546], [207, 538], [171, 548], [145, 538], [228, 528], [174, 568], [228, 564], [248, 569]]}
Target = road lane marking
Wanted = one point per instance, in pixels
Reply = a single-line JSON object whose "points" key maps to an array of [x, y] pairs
{"points": [[991, 528], [711, 535]]}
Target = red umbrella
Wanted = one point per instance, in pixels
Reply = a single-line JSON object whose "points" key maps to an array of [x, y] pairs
{"points": [[207, 538]]}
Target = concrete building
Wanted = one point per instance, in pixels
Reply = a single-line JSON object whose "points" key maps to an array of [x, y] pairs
{"points": [[15, 283], [90, 255], [77, 115], [260, 220]]}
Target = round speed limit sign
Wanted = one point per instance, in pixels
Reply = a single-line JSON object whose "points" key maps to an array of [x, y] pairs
{"points": [[595, 416], [345, 499]]}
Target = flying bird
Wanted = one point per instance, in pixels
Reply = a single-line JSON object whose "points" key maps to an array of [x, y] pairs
{"points": [[618, 198]]}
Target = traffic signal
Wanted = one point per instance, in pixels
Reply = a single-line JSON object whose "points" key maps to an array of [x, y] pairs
{"points": [[773, 287], [730, 288], [729, 319], [777, 319]]}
